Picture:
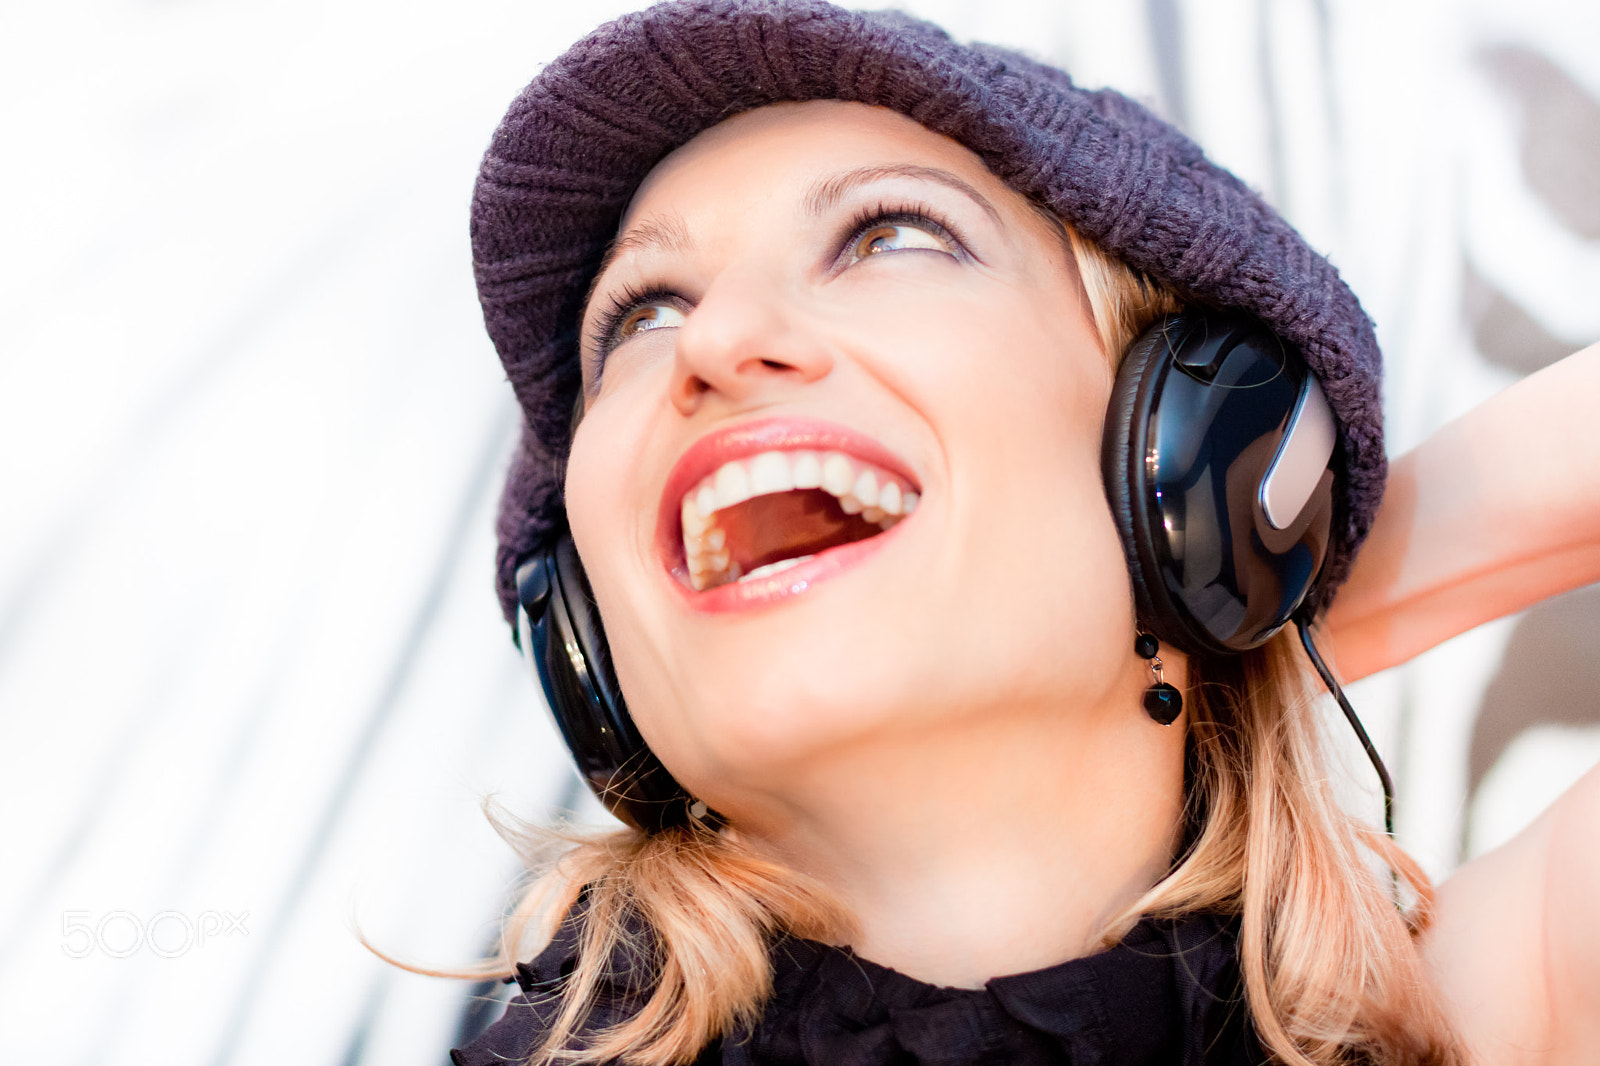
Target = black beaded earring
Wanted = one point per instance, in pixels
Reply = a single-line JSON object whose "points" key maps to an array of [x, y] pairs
{"points": [[1162, 701]]}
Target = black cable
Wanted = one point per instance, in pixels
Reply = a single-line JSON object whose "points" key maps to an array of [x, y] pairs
{"points": [[1302, 623]]}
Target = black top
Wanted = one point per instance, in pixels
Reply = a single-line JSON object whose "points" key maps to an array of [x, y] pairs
{"points": [[1168, 994]]}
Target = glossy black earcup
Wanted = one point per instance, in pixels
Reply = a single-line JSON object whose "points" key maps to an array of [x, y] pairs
{"points": [[1216, 459], [559, 630]]}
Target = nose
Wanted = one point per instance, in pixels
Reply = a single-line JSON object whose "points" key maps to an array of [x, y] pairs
{"points": [[748, 335]]}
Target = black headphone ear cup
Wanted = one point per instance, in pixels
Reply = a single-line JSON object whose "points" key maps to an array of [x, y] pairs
{"points": [[583, 619], [1203, 404], [575, 670], [1122, 469]]}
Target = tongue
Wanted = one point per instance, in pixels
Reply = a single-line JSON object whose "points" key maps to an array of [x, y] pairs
{"points": [[787, 525]]}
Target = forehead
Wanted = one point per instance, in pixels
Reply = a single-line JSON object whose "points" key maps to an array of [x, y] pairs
{"points": [[781, 150]]}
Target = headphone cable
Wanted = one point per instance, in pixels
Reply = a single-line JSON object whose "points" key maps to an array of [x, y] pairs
{"points": [[1303, 624]]}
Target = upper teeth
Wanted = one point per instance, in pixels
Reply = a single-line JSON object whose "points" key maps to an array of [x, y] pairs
{"points": [[860, 487]]}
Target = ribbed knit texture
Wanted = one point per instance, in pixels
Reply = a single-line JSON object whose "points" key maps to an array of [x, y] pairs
{"points": [[580, 138]]}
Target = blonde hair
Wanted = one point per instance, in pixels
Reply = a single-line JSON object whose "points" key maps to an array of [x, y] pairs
{"points": [[1330, 965]]}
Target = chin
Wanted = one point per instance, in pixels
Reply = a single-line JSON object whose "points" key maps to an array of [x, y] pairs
{"points": [[770, 694]]}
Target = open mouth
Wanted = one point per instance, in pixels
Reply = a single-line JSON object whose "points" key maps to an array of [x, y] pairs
{"points": [[758, 515]]}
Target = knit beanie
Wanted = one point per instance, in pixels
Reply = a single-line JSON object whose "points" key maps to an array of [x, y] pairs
{"points": [[577, 142]]}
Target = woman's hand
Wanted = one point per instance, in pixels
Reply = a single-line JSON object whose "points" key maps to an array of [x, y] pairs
{"points": [[1494, 512]]}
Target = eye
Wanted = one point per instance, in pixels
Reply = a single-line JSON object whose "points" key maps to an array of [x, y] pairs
{"points": [[634, 311], [894, 235], [656, 314]]}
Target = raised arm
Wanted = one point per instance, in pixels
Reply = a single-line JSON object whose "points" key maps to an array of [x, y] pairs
{"points": [[1515, 943], [1494, 512]]}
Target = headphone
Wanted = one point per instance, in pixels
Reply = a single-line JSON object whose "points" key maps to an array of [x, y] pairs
{"points": [[1215, 458], [1216, 464]]}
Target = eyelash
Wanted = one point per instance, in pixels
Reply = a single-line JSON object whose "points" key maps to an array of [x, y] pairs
{"points": [[618, 307], [621, 304], [895, 214]]}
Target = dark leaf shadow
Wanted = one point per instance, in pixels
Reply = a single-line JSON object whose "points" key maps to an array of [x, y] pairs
{"points": [[1560, 135], [1549, 675]]}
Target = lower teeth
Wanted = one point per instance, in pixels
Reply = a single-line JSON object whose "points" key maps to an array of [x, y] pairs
{"points": [[774, 568]]}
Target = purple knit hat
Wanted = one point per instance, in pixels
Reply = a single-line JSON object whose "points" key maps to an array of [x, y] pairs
{"points": [[574, 146]]}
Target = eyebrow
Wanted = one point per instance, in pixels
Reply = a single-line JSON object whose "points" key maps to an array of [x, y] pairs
{"points": [[667, 232], [826, 194]]}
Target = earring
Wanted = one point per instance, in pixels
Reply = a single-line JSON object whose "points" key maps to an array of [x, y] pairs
{"points": [[1162, 701]]}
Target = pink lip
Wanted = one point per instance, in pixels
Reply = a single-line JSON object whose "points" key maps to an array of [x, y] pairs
{"points": [[736, 442]]}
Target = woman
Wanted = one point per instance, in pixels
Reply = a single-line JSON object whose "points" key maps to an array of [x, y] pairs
{"points": [[816, 319]]}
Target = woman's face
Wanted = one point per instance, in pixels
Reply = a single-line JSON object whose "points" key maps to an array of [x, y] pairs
{"points": [[829, 307]]}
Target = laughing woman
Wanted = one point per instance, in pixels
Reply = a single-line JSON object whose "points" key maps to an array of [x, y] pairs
{"points": [[951, 455]]}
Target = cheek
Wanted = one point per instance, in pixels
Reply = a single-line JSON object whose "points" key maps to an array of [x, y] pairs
{"points": [[611, 512], [1033, 527], [597, 481], [670, 684], [619, 445]]}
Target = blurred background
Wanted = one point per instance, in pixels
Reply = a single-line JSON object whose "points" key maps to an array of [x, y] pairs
{"points": [[254, 685]]}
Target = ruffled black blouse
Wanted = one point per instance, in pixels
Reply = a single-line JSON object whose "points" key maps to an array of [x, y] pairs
{"points": [[1168, 994]]}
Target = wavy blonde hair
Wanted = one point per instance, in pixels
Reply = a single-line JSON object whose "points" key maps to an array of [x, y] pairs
{"points": [[1330, 964]]}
